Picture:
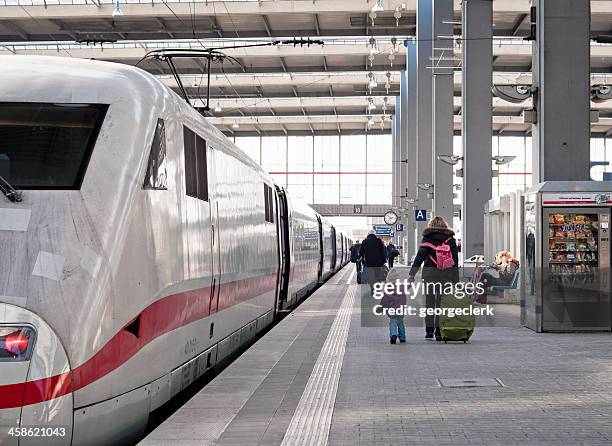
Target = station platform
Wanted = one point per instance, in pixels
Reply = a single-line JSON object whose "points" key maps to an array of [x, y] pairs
{"points": [[320, 377]]}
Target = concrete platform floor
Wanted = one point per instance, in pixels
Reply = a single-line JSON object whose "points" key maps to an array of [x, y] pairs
{"points": [[299, 385]]}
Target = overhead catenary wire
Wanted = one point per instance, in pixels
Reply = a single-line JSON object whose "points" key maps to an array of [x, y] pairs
{"points": [[255, 75]]}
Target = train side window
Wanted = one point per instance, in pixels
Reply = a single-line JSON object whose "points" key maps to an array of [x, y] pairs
{"points": [[196, 166], [202, 168], [157, 174], [268, 203]]}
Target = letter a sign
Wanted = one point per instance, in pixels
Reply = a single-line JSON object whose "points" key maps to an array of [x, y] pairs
{"points": [[420, 214]]}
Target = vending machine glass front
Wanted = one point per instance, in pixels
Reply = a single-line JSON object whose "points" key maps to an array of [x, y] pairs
{"points": [[575, 286]]}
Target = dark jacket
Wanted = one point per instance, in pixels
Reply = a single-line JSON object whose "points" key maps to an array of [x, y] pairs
{"points": [[423, 257], [355, 252], [372, 251], [391, 251]]}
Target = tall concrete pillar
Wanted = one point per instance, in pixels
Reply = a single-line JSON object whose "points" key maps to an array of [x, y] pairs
{"points": [[403, 140], [561, 66], [405, 173], [402, 103], [411, 144], [476, 131], [443, 108], [395, 168], [424, 105]]}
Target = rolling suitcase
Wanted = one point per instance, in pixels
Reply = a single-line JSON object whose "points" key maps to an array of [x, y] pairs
{"points": [[458, 327], [360, 274]]}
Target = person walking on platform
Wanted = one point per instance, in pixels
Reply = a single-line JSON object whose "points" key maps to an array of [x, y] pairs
{"points": [[372, 251], [438, 246], [395, 300], [356, 259], [392, 253]]}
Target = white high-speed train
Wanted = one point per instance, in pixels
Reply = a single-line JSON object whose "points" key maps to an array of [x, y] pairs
{"points": [[146, 249]]}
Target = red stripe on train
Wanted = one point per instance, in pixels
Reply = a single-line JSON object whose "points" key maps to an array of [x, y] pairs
{"points": [[162, 316]]}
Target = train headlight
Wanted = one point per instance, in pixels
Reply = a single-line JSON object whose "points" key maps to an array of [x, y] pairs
{"points": [[16, 343]]}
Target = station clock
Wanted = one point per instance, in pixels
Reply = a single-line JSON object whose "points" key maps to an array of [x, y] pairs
{"points": [[390, 218]]}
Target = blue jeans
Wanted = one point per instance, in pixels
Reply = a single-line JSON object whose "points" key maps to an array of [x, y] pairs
{"points": [[397, 328]]}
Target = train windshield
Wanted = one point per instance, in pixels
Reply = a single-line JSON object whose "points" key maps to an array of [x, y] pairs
{"points": [[47, 146]]}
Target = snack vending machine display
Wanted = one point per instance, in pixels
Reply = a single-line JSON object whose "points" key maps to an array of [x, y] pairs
{"points": [[566, 260], [573, 248]]}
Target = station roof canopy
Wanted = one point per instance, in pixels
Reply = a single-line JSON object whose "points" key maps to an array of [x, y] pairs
{"points": [[283, 89]]}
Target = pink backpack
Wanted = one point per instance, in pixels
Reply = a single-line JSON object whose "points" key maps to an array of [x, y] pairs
{"points": [[444, 256]]}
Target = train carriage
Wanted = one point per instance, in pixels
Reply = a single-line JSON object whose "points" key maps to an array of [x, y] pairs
{"points": [[146, 248]]}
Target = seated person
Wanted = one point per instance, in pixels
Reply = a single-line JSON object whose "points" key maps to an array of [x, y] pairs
{"points": [[502, 271]]}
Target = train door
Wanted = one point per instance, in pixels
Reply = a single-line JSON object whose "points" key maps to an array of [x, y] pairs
{"points": [[321, 254], [334, 249], [200, 215], [284, 249], [215, 247]]}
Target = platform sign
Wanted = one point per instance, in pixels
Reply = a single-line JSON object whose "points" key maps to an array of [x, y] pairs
{"points": [[385, 231], [420, 214], [357, 209], [399, 227]]}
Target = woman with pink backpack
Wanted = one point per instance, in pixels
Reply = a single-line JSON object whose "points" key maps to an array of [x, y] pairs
{"points": [[440, 259]]}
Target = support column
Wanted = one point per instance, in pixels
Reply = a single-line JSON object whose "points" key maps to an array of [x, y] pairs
{"points": [[561, 69], [402, 103], [395, 169], [424, 105], [443, 113], [477, 121], [410, 92]]}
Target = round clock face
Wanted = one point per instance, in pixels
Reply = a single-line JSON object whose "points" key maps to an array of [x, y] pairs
{"points": [[390, 218]]}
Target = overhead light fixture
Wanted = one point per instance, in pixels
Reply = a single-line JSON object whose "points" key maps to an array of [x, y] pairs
{"points": [[371, 104], [374, 51], [500, 160], [235, 125], [117, 11], [218, 108], [378, 6], [398, 15], [391, 59], [195, 83], [425, 186], [449, 159], [373, 17], [370, 120], [373, 83], [371, 59]]}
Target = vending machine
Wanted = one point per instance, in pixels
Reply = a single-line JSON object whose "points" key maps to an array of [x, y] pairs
{"points": [[565, 263]]}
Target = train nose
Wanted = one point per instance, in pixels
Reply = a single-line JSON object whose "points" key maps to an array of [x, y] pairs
{"points": [[35, 381]]}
